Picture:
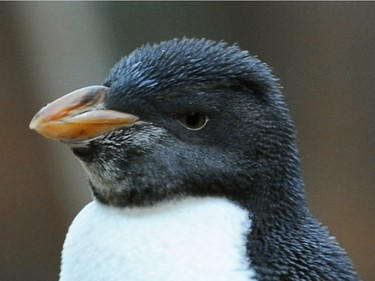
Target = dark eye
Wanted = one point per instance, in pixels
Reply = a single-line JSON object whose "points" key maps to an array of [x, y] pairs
{"points": [[194, 121]]}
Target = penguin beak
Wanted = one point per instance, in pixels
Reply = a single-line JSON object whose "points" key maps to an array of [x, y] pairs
{"points": [[79, 116]]}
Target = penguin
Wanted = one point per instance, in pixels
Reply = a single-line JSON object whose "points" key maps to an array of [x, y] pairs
{"points": [[191, 156]]}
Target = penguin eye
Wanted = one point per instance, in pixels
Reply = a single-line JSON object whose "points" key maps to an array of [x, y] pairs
{"points": [[194, 121]]}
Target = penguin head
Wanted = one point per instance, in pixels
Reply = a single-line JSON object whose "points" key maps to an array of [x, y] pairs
{"points": [[183, 117]]}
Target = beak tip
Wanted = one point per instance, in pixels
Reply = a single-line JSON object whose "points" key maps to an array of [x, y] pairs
{"points": [[32, 125], [35, 122]]}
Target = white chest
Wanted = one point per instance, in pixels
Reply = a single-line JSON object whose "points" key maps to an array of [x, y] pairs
{"points": [[199, 239]]}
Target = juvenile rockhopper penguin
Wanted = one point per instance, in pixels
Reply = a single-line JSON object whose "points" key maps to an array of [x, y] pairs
{"points": [[191, 156]]}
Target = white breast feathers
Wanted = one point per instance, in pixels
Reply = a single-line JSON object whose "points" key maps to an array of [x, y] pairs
{"points": [[192, 239]]}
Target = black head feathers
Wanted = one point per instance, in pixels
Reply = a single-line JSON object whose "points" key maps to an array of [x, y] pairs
{"points": [[189, 61]]}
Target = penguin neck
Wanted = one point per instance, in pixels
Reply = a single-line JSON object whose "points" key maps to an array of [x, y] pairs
{"points": [[277, 189], [280, 198]]}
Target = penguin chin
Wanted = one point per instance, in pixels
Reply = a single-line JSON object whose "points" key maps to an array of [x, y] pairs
{"points": [[131, 197], [81, 151], [108, 189]]}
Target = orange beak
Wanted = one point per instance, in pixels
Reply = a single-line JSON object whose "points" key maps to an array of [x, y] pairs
{"points": [[79, 116]]}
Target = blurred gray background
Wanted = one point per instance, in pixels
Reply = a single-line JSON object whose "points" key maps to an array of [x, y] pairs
{"points": [[324, 54]]}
